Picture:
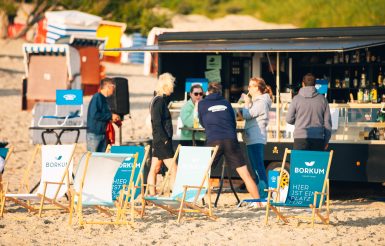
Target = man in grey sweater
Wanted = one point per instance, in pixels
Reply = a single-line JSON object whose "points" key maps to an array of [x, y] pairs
{"points": [[310, 114]]}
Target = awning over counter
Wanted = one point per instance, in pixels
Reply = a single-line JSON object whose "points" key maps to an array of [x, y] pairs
{"points": [[261, 45]]}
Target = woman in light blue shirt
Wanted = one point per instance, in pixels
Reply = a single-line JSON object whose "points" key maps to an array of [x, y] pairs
{"points": [[256, 114]]}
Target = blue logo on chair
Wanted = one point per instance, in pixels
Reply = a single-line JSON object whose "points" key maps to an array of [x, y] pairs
{"points": [[69, 97], [273, 179], [58, 158]]}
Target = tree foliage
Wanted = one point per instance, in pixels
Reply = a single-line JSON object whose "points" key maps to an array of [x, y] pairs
{"points": [[139, 15]]}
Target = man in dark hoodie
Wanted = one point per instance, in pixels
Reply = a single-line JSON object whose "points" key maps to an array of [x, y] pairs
{"points": [[217, 116], [310, 114]]}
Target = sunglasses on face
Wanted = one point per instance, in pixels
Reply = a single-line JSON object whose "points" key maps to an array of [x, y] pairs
{"points": [[198, 94]]}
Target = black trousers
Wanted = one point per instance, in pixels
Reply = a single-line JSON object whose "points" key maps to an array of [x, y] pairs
{"points": [[309, 144]]}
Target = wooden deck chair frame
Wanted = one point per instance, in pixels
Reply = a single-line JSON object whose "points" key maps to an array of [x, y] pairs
{"points": [[24, 188], [164, 186], [121, 205], [139, 182], [316, 211], [191, 207]]}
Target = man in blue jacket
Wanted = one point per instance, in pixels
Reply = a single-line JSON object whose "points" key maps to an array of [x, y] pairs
{"points": [[217, 116], [98, 116]]}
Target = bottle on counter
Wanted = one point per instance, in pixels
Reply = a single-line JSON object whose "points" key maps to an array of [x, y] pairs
{"points": [[335, 58], [363, 78], [379, 78], [337, 83], [368, 55], [341, 57], [366, 98], [346, 83], [360, 96], [355, 79], [374, 94], [196, 119]]}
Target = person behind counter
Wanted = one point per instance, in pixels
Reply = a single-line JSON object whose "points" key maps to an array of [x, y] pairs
{"points": [[310, 113], [162, 150], [256, 114], [189, 115], [217, 116], [98, 116], [270, 76]]}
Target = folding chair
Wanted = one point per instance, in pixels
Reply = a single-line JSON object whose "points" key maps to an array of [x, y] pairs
{"points": [[191, 185], [56, 166], [94, 187], [125, 170], [308, 185], [69, 99], [5, 153]]}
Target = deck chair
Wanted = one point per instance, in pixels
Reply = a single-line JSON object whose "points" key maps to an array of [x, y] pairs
{"points": [[56, 167], [5, 154], [308, 185], [71, 100], [94, 187], [125, 170], [192, 183]]}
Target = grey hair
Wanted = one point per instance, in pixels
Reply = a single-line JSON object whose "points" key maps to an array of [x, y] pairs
{"points": [[165, 83]]}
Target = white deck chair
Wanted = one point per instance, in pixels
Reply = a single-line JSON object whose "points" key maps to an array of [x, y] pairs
{"points": [[56, 168], [192, 183], [93, 186]]}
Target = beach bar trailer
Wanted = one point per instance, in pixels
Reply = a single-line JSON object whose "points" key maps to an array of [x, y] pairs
{"points": [[347, 61]]}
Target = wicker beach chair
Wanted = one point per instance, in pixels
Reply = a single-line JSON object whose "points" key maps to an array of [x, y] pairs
{"points": [[94, 187], [56, 167], [192, 183], [308, 186]]}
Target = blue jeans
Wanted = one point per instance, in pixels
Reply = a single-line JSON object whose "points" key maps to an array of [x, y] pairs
{"points": [[96, 143], [256, 157]]}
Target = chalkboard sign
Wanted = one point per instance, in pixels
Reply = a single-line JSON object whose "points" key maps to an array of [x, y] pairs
{"points": [[307, 175], [122, 176]]}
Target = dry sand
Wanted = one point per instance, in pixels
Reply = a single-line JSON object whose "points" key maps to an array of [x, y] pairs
{"points": [[357, 222]]}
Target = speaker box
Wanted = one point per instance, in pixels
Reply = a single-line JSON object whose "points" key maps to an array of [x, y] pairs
{"points": [[120, 100]]}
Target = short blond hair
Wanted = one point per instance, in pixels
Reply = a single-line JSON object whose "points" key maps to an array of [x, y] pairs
{"points": [[165, 84]]}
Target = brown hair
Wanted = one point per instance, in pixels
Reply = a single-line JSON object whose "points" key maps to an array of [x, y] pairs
{"points": [[215, 87], [308, 79], [106, 81], [195, 86], [261, 85]]}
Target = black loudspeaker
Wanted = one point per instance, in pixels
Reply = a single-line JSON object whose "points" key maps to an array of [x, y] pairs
{"points": [[120, 100]]}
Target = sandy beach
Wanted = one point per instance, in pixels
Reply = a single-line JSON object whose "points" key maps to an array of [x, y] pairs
{"points": [[353, 222]]}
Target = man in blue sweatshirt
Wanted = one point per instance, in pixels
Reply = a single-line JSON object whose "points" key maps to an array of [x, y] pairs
{"points": [[217, 116], [310, 114], [98, 116]]}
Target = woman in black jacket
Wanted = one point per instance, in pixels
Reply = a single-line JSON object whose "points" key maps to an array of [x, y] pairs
{"points": [[162, 150]]}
